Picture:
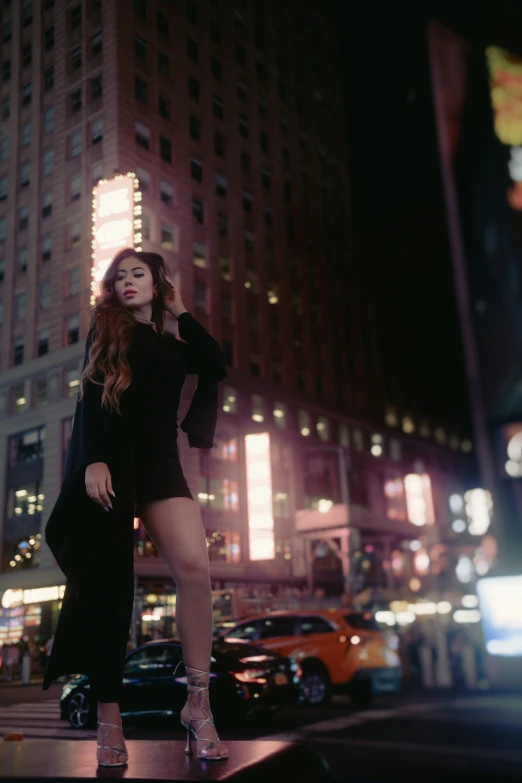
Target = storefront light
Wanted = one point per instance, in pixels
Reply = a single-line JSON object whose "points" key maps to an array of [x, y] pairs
{"points": [[405, 618], [324, 505], [458, 526], [467, 616]]}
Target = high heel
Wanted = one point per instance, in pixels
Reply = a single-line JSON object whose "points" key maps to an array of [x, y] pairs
{"points": [[211, 743], [112, 747]]}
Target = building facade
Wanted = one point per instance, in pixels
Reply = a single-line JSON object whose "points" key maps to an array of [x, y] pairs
{"points": [[230, 116]]}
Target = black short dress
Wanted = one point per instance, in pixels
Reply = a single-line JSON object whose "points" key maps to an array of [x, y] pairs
{"points": [[159, 368]]}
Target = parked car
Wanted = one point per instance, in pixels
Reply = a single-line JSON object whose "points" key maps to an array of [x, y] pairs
{"points": [[338, 651], [244, 679]]}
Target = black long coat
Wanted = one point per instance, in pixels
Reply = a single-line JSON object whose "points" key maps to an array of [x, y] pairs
{"points": [[95, 549]]}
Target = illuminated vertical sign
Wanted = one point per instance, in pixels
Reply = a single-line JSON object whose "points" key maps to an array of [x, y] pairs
{"points": [[116, 223], [419, 500], [479, 504], [259, 493]]}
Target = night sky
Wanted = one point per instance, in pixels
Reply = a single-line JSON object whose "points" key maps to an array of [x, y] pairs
{"points": [[397, 205]]}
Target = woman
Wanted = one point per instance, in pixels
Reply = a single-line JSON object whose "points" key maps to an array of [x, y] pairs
{"points": [[123, 462]]}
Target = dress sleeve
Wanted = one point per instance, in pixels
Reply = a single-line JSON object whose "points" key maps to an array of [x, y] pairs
{"points": [[201, 352], [91, 433]]}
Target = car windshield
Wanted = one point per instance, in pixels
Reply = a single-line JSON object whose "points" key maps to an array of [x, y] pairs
{"points": [[363, 622]]}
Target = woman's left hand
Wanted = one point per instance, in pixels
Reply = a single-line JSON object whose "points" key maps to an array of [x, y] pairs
{"points": [[173, 303]]}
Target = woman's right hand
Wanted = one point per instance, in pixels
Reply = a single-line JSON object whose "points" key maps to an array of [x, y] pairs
{"points": [[98, 484]]}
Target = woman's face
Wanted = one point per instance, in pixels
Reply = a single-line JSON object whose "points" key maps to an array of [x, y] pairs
{"points": [[134, 284]]}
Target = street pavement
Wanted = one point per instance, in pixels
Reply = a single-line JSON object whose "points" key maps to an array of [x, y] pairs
{"points": [[431, 737]]}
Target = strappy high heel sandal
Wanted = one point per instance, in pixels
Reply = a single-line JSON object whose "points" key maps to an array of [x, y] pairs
{"points": [[211, 744], [112, 747]]}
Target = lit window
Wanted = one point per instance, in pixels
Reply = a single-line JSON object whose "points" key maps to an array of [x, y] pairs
{"points": [[257, 408], [391, 418], [167, 237], [304, 422], [440, 435], [229, 400], [198, 256], [280, 414], [225, 269], [377, 445], [323, 428], [408, 424], [72, 381]]}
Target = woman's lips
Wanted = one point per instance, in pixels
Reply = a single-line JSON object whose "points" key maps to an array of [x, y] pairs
{"points": [[128, 294]]}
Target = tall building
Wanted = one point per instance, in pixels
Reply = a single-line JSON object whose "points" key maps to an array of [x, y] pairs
{"points": [[230, 116]]}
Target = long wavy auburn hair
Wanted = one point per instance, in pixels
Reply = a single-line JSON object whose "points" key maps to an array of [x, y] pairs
{"points": [[111, 328]]}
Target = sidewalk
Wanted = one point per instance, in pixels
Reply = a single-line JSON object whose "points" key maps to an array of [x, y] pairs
{"points": [[36, 679]]}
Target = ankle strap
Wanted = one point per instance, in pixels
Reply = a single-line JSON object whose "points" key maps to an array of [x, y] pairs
{"points": [[199, 671]]}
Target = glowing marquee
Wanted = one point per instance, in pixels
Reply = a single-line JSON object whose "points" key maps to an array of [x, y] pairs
{"points": [[116, 223], [32, 596], [259, 493], [419, 500]]}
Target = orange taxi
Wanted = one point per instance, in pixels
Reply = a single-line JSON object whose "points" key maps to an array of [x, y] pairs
{"points": [[338, 651]]}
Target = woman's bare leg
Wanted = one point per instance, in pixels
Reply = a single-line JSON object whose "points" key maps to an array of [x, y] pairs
{"points": [[176, 528]]}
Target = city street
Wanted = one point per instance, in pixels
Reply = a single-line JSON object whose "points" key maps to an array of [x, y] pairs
{"points": [[427, 736]]}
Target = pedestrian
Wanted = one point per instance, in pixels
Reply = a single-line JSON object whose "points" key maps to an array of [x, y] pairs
{"points": [[5, 659], [124, 463], [13, 660], [25, 657]]}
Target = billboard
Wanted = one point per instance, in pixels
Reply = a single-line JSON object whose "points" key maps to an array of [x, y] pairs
{"points": [[419, 499], [500, 601], [116, 223], [259, 494]]}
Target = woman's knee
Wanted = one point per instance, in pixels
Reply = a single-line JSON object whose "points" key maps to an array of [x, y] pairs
{"points": [[193, 571]]}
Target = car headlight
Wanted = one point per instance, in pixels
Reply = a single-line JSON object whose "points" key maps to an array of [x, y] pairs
{"points": [[66, 690]]}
